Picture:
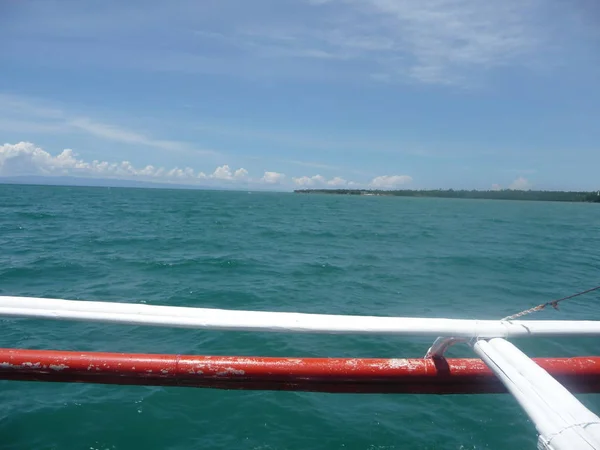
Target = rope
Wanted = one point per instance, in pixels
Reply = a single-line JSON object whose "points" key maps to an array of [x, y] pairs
{"points": [[553, 303]]}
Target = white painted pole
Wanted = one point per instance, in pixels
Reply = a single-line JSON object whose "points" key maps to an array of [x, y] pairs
{"points": [[218, 319], [562, 422], [518, 386], [565, 404]]}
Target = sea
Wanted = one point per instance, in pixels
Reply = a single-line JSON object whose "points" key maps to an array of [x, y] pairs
{"points": [[335, 254]]}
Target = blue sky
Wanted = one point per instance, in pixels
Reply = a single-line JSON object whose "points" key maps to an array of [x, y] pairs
{"points": [[283, 94]]}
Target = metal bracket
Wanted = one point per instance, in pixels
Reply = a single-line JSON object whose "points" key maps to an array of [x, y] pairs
{"points": [[440, 346]]}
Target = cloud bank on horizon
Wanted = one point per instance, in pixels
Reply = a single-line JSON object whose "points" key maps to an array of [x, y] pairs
{"points": [[305, 93], [25, 158]]}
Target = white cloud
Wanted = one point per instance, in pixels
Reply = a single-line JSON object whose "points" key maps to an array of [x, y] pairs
{"points": [[149, 170], [273, 177], [319, 180], [25, 158], [430, 41], [337, 181], [309, 181], [448, 35], [187, 173], [496, 187], [520, 184], [439, 41], [303, 181], [390, 181], [26, 115], [222, 173], [240, 174], [225, 173], [114, 133]]}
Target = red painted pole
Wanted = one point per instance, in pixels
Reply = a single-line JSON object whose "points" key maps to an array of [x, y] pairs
{"points": [[416, 376]]}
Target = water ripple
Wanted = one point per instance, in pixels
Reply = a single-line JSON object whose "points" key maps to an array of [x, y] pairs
{"points": [[280, 252]]}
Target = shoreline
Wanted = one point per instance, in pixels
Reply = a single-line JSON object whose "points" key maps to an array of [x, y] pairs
{"points": [[506, 194]]}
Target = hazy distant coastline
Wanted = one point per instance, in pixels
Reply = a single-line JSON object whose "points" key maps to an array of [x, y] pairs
{"points": [[504, 194]]}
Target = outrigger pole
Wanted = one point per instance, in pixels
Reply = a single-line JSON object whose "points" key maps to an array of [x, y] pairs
{"points": [[561, 420], [220, 319]]}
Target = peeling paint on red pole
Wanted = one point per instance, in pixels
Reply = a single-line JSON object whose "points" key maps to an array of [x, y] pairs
{"points": [[446, 376]]}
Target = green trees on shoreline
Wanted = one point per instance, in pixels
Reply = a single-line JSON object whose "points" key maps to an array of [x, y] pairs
{"points": [[505, 194]]}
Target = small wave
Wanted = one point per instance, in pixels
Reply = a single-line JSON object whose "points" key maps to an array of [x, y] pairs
{"points": [[35, 215]]}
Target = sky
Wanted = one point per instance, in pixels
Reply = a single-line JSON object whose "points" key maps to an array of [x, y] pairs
{"points": [[281, 94]]}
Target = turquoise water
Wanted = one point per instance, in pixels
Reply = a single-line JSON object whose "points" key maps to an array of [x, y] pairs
{"points": [[281, 252]]}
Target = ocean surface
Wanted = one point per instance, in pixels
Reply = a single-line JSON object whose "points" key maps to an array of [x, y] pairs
{"points": [[281, 252]]}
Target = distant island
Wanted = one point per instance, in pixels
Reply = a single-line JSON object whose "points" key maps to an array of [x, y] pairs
{"points": [[503, 194]]}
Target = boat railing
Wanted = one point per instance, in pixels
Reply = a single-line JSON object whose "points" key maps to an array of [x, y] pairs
{"points": [[561, 420]]}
